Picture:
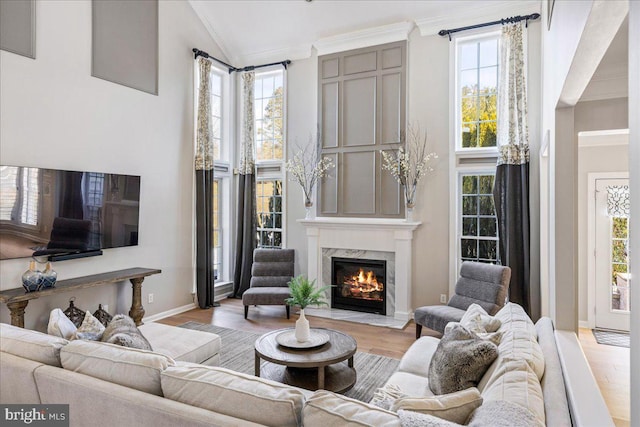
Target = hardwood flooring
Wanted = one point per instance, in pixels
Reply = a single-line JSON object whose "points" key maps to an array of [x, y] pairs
{"points": [[610, 365]]}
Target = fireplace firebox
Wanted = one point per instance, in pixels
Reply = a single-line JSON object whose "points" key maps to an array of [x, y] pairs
{"points": [[359, 284]]}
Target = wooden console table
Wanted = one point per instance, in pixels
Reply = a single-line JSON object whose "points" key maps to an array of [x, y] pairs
{"points": [[17, 298]]}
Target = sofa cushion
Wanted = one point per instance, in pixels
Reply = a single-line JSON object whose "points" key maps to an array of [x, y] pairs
{"points": [[233, 393], [90, 328], [477, 320], [181, 344], [416, 419], [514, 381], [384, 397], [122, 331], [130, 367], [460, 361], [416, 358], [325, 408], [31, 345], [17, 382], [521, 344], [454, 407], [411, 384], [60, 325], [500, 413], [512, 316]]}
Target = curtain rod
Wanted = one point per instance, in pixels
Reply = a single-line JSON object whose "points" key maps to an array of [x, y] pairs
{"points": [[502, 21], [198, 52]]}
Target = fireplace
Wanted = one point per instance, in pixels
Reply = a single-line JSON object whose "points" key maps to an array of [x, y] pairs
{"points": [[359, 284]]}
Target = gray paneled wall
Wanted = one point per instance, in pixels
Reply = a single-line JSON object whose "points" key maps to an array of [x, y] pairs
{"points": [[362, 102], [18, 27]]}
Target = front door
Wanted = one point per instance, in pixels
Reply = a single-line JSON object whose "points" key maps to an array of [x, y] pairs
{"points": [[611, 254]]}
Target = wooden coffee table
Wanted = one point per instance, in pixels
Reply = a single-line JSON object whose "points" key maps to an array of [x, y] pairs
{"points": [[312, 369]]}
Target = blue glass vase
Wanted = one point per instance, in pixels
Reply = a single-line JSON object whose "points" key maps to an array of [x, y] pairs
{"points": [[32, 278], [49, 277]]}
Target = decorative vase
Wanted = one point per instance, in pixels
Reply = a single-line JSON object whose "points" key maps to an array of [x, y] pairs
{"points": [[302, 333], [308, 207], [32, 278], [409, 209], [49, 277]]}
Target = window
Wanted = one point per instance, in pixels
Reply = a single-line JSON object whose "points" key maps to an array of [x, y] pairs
{"points": [[269, 113], [217, 231], [620, 263], [216, 115], [478, 223], [20, 192], [477, 77], [269, 209]]}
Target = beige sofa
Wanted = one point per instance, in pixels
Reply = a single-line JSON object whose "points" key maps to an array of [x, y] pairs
{"points": [[111, 385]]}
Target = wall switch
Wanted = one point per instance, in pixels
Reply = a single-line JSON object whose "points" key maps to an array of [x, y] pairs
{"points": [[443, 298], [150, 298]]}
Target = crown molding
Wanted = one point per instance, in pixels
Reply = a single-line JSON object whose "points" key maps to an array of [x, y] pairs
{"points": [[430, 26], [364, 38], [273, 55]]}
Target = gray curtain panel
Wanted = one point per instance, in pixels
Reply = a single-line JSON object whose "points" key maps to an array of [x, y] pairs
{"points": [[511, 188], [204, 190], [246, 234]]}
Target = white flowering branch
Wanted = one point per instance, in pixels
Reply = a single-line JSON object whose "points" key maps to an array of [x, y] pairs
{"points": [[410, 163], [306, 168]]}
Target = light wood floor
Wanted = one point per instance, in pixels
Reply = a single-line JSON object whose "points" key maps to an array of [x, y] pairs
{"points": [[610, 365]]}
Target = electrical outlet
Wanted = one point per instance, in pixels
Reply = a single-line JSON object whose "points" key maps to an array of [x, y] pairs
{"points": [[150, 298], [443, 298], [105, 307]]}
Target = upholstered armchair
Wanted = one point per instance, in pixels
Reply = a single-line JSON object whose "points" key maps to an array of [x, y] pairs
{"points": [[484, 284], [271, 272]]}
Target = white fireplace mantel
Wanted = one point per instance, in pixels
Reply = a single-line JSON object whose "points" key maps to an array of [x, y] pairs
{"points": [[385, 235]]}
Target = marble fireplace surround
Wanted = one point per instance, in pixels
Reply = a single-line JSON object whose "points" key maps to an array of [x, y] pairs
{"points": [[387, 239]]}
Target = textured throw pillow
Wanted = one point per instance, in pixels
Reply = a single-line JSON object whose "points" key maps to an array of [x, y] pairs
{"points": [[455, 407], [416, 419], [385, 396], [60, 325], [123, 331], [477, 320], [494, 337], [90, 329], [500, 413], [460, 361]]}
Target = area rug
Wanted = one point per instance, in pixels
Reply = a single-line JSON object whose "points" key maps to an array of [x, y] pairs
{"points": [[238, 354], [617, 338]]}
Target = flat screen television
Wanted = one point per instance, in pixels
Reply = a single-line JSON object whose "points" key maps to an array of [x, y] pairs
{"points": [[60, 214]]}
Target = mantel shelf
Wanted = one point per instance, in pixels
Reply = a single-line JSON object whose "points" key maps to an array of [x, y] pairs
{"points": [[361, 223]]}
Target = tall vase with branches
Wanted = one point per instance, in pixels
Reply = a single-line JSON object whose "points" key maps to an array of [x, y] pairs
{"points": [[409, 163], [306, 168]]}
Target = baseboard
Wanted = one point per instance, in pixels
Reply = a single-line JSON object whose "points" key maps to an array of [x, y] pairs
{"points": [[584, 324], [169, 313]]}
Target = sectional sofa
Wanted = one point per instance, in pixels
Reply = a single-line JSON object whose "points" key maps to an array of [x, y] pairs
{"points": [[111, 385]]}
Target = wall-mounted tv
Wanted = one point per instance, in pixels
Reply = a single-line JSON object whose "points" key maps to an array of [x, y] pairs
{"points": [[62, 214]]}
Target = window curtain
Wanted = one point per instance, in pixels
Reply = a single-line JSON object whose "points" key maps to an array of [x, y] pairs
{"points": [[511, 189], [204, 189], [246, 212]]}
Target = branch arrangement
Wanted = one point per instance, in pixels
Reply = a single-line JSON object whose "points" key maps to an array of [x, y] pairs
{"points": [[306, 168]]}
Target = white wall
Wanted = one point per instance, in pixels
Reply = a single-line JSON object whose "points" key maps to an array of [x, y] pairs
{"points": [[55, 115], [428, 103]]}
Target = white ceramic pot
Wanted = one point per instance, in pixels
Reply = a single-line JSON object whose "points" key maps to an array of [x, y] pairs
{"points": [[302, 332]]}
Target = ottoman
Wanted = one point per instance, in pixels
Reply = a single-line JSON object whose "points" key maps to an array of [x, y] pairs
{"points": [[185, 345]]}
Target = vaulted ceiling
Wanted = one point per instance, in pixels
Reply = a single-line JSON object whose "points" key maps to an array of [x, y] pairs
{"points": [[259, 31]]}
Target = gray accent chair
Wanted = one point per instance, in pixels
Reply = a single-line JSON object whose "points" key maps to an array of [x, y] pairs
{"points": [[271, 271], [484, 284]]}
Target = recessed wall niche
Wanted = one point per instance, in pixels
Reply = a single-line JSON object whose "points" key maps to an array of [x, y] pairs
{"points": [[18, 27], [125, 43]]}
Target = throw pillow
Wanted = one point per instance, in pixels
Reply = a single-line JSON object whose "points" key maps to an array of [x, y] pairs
{"points": [[90, 329], [455, 407], [385, 396], [60, 325], [416, 419], [123, 331], [477, 320], [500, 413], [460, 361], [494, 337]]}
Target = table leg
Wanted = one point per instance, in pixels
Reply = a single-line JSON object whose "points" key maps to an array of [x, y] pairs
{"points": [[137, 310], [350, 362], [321, 378], [17, 312], [257, 366]]}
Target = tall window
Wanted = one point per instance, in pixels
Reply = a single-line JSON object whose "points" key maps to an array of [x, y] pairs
{"points": [[216, 114], [217, 231], [477, 60], [478, 223], [620, 262], [269, 105]]}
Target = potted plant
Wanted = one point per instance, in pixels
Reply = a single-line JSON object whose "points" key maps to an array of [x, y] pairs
{"points": [[303, 294]]}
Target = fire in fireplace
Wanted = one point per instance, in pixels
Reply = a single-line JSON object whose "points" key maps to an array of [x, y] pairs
{"points": [[358, 284]]}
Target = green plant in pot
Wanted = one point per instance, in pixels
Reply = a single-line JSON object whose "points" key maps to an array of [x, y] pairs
{"points": [[304, 293]]}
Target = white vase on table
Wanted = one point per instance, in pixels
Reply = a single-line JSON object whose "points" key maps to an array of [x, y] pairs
{"points": [[302, 332]]}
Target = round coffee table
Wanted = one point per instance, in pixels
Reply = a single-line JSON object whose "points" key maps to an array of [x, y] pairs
{"points": [[312, 369]]}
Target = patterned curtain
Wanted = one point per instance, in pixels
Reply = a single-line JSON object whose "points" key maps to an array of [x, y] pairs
{"points": [[511, 189], [204, 189], [246, 237]]}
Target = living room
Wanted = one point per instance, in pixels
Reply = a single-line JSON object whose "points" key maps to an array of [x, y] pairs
{"points": [[56, 114]]}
